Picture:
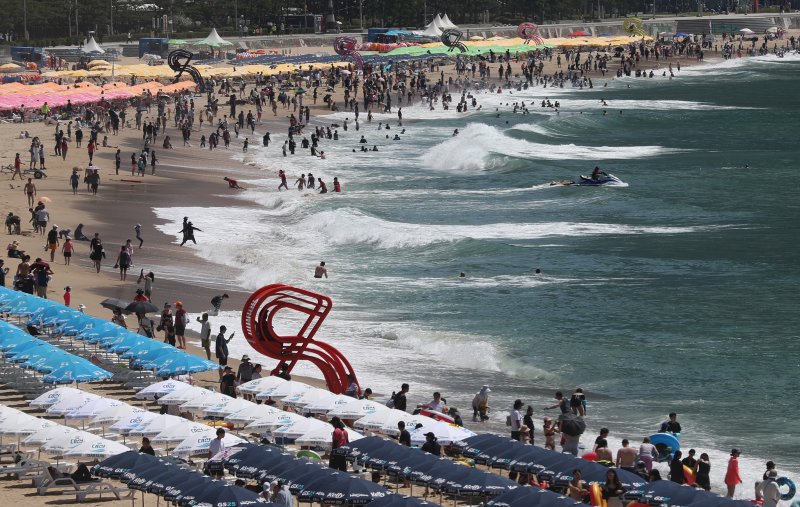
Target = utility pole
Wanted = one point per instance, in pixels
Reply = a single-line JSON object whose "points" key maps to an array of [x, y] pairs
{"points": [[361, 13], [111, 17], [77, 32], [25, 18]]}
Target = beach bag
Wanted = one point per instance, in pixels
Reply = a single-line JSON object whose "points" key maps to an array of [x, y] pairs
{"points": [[390, 403]]}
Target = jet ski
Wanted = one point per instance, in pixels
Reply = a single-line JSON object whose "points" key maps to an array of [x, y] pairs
{"points": [[604, 180]]}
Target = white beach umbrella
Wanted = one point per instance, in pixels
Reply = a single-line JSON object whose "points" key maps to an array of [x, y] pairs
{"points": [[325, 406], [273, 420], [197, 444], [69, 402], [445, 433], [157, 424], [357, 409], [260, 384], [250, 414], [125, 424], [301, 426], [102, 448], [184, 395], [52, 396], [23, 424], [93, 408], [228, 406], [283, 390], [62, 444], [313, 395], [159, 389], [180, 432], [376, 420], [746, 31], [410, 420], [114, 414], [200, 403], [323, 437], [47, 434]]}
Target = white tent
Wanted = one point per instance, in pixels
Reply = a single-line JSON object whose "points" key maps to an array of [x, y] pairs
{"points": [[446, 23], [213, 40], [437, 22], [430, 31], [92, 47]]}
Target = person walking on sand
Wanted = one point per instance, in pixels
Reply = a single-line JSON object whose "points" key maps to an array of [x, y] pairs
{"points": [[188, 233], [97, 254], [67, 250], [17, 168], [221, 348], [732, 477], [74, 181], [30, 191], [123, 262], [52, 242], [205, 335], [91, 148], [138, 230]]}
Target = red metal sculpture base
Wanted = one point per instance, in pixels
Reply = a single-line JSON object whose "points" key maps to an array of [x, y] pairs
{"points": [[258, 320]]}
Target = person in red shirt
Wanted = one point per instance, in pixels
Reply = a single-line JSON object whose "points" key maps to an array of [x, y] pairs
{"points": [[91, 147], [339, 439], [232, 183], [67, 295], [336, 186], [140, 296], [732, 477]]}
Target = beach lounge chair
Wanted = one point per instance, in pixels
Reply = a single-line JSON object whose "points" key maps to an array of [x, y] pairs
{"points": [[98, 488], [24, 469]]}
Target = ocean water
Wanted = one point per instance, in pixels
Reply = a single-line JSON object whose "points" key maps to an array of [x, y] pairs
{"points": [[676, 293]]}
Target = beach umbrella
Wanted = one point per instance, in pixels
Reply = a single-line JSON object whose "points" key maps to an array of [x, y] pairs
{"points": [[48, 433], [257, 385], [284, 390], [187, 483], [746, 31], [385, 457], [392, 500], [227, 407], [478, 483], [197, 444], [80, 371], [124, 342], [580, 33], [69, 402], [114, 466], [325, 406], [527, 496], [146, 349], [157, 357], [114, 304], [357, 409], [93, 408], [250, 413], [148, 466], [20, 423], [273, 420], [220, 493], [323, 437], [381, 418], [127, 423], [180, 432], [204, 401], [184, 396], [572, 424], [184, 364], [157, 424], [62, 443], [141, 307], [142, 480], [299, 427], [159, 389], [341, 489], [307, 397], [445, 433], [96, 449], [49, 362], [772, 29], [114, 413], [472, 446]]}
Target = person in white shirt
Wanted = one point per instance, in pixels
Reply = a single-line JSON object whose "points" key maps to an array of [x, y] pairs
{"points": [[516, 420], [436, 403], [217, 445], [770, 492]]}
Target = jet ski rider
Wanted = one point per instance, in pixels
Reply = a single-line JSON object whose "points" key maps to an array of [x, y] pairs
{"points": [[597, 173]]}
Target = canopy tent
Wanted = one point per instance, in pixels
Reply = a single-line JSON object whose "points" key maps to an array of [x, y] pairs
{"points": [[92, 47], [446, 23], [213, 40]]}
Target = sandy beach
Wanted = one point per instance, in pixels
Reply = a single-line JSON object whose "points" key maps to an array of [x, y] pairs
{"points": [[186, 176]]}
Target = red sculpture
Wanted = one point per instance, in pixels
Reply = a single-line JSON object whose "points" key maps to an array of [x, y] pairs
{"points": [[258, 323]]}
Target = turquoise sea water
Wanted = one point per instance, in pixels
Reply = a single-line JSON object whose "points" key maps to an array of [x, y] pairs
{"points": [[676, 293]]}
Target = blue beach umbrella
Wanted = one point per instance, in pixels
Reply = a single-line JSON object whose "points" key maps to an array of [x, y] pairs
{"points": [[123, 342], [154, 358], [527, 496], [185, 364], [79, 371], [194, 480], [101, 332], [142, 349], [49, 362], [26, 350], [78, 323], [393, 500], [341, 489], [114, 466]]}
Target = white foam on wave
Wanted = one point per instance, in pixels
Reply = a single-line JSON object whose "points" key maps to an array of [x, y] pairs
{"points": [[572, 105], [350, 226], [469, 150]]}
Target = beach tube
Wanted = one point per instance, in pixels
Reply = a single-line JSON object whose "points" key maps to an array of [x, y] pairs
{"points": [[439, 416], [220, 424], [596, 495], [785, 481], [308, 454], [689, 475], [666, 443], [590, 456]]}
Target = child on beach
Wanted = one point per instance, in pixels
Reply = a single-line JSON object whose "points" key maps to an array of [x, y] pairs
{"points": [[67, 250], [67, 295]]}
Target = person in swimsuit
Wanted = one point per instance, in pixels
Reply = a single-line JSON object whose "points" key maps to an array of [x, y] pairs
{"points": [[232, 183], [300, 183], [30, 190], [282, 176], [321, 271], [323, 189]]}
